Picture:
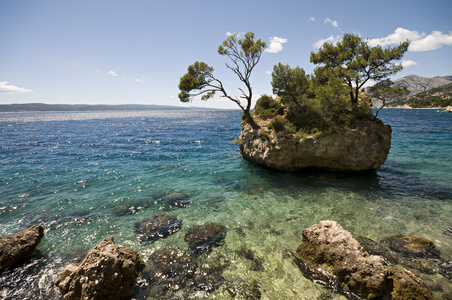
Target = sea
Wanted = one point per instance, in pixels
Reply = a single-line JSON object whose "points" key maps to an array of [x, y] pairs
{"points": [[86, 176]]}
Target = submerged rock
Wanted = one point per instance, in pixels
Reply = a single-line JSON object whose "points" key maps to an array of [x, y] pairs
{"points": [[170, 270], [249, 288], [330, 253], [206, 236], [364, 148], [172, 199], [108, 271], [155, 227], [406, 286], [413, 246], [445, 269], [19, 245]]}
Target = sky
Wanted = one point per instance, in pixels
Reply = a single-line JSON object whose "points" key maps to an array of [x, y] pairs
{"points": [[136, 51]]}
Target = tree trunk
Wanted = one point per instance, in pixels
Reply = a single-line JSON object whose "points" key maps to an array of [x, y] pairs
{"points": [[250, 119]]}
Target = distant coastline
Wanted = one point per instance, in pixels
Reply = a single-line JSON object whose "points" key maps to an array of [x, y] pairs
{"points": [[42, 107]]}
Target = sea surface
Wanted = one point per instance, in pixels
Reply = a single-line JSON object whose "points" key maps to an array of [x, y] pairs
{"points": [[86, 176]]}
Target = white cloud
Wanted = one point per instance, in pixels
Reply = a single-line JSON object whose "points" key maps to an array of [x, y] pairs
{"points": [[334, 23], [10, 89], [112, 73], [275, 44], [331, 39], [432, 41], [408, 63], [419, 41], [312, 19], [269, 72]]}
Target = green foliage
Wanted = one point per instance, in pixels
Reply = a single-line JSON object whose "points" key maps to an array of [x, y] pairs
{"points": [[290, 84], [354, 62], [264, 135], [244, 55], [267, 107], [236, 141], [198, 77], [278, 124]]}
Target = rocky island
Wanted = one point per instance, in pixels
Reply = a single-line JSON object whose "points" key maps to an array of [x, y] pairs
{"points": [[363, 148]]}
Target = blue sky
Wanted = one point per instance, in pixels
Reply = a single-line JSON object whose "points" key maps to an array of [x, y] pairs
{"points": [[135, 51]]}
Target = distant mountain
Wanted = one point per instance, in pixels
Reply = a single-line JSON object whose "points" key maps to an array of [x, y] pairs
{"points": [[84, 107], [440, 97], [418, 84]]}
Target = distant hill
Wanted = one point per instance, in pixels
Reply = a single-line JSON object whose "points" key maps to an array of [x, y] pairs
{"points": [[415, 85], [436, 97], [418, 84], [84, 107]]}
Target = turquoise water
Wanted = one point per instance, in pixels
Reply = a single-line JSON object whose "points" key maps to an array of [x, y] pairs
{"points": [[88, 175]]}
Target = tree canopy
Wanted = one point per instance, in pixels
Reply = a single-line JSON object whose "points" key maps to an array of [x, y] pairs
{"points": [[243, 54], [355, 62], [289, 82]]}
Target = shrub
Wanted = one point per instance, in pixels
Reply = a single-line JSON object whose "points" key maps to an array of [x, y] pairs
{"points": [[277, 124], [264, 135], [267, 107]]}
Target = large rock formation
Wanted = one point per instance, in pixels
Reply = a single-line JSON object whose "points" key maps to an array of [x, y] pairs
{"points": [[330, 254], [364, 148], [108, 271], [19, 245]]}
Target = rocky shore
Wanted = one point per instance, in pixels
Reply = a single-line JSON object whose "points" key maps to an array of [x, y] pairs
{"points": [[328, 254], [361, 149]]}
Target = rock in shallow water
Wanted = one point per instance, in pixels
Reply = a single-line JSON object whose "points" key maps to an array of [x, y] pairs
{"points": [[203, 237], [331, 247], [108, 271], [19, 245], [331, 255], [412, 245], [171, 270], [155, 227]]}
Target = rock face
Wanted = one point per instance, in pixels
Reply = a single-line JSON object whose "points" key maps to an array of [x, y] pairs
{"points": [[19, 245], [331, 255], [331, 247], [364, 148], [108, 271]]}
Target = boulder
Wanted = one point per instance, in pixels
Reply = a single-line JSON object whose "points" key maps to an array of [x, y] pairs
{"points": [[206, 236], [171, 270], [412, 246], [406, 286], [158, 226], [329, 253], [364, 148], [19, 245], [108, 271]]}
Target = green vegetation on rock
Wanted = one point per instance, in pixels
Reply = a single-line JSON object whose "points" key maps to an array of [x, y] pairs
{"points": [[330, 99]]}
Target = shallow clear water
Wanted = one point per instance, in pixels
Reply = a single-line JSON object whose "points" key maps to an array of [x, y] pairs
{"points": [[89, 175]]}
